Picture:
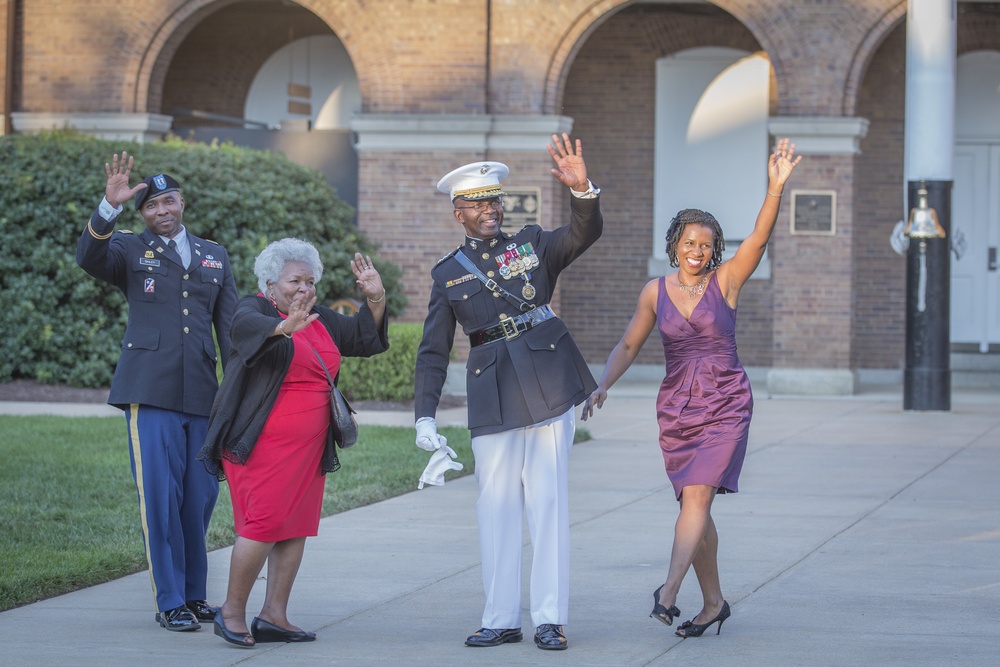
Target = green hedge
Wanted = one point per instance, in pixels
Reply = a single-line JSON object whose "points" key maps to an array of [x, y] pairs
{"points": [[62, 326], [387, 376]]}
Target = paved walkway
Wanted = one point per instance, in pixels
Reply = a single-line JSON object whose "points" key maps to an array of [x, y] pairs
{"points": [[862, 535]]}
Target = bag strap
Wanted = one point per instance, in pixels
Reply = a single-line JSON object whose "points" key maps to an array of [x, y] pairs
{"points": [[323, 364], [491, 284]]}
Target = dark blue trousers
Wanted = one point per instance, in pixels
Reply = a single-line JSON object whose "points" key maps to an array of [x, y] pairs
{"points": [[176, 499]]}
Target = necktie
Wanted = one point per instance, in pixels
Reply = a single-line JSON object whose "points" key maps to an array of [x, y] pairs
{"points": [[172, 244]]}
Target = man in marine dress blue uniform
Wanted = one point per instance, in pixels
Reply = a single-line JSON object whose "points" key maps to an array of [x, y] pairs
{"points": [[524, 376], [178, 288]]}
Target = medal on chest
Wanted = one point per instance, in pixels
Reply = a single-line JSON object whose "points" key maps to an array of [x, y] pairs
{"points": [[519, 261]]}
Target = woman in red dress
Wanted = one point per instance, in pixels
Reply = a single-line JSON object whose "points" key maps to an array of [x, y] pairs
{"points": [[269, 432]]}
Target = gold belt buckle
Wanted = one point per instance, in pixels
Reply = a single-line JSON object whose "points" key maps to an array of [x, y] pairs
{"points": [[509, 327]]}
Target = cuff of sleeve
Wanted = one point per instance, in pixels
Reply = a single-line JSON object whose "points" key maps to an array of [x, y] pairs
{"points": [[590, 193], [106, 211]]}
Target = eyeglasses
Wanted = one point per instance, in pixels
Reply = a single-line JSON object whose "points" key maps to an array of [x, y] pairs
{"points": [[485, 205]]}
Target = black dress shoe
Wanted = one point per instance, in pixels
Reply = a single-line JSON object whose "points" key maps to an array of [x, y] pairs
{"points": [[550, 637], [178, 619], [493, 637], [202, 610], [237, 638], [269, 632]]}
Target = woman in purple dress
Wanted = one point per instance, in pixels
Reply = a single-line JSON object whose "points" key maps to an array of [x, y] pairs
{"points": [[704, 404]]}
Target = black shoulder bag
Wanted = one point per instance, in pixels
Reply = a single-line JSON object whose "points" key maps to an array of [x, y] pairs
{"points": [[342, 421]]}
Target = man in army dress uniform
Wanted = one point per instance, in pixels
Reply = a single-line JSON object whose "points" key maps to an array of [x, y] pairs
{"points": [[178, 288], [524, 376]]}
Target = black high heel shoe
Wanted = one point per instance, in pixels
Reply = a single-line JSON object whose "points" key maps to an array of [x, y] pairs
{"points": [[691, 629], [245, 640], [661, 613]]}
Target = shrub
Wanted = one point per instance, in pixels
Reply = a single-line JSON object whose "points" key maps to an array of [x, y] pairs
{"points": [[61, 325], [387, 376]]}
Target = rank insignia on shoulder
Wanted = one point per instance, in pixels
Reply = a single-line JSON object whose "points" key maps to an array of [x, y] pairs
{"points": [[458, 281], [448, 256], [213, 242], [125, 231]]}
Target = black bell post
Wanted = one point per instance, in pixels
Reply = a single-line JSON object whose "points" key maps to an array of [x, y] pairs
{"points": [[927, 377]]}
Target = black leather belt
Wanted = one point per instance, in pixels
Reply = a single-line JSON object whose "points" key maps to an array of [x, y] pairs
{"points": [[511, 327]]}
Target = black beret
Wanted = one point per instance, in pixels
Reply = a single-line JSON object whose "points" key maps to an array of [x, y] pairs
{"points": [[155, 186]]}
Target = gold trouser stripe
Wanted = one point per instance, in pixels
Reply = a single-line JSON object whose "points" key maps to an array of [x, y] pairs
{"points": [[137, 457]]}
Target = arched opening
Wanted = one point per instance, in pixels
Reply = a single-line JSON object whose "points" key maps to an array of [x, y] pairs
{"points": [[267, 75], [711, 118], [975, 233]]}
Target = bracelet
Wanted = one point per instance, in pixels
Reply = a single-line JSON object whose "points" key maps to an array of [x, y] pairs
{"points": [[281, 328], [775, 196], [378, 300]]}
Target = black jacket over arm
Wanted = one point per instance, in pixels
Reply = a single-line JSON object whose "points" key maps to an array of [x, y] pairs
{"points": [[257, 368]]}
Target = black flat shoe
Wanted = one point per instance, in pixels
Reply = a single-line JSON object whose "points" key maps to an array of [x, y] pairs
{"points": [[691, 629], [202, 610], [661, 613], [494, 637], [178, 619], [550, 637], [236, 638], [269, 632]]}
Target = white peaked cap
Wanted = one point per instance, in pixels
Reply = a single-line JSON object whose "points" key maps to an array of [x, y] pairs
{"points": [[479, 180]]}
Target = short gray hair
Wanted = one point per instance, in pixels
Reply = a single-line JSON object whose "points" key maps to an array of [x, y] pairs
{"points": [[272, 259]]}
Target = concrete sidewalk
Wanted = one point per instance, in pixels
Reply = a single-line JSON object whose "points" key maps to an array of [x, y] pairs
{"points": [[862, 535]]}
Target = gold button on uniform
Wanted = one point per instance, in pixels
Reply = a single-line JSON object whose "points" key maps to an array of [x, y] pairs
{"points": [[186, 330], [486, 255], [478, 371], [130, 344], [184, 294], [465, 296], [215, 280], [186, 276], [185, 311], [489, 274], [552, 346]]}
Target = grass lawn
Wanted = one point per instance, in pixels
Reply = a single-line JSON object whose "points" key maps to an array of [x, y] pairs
{"points": [[68, 511]]}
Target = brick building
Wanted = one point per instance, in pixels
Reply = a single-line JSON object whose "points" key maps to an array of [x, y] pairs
{"points": [[672, 99]]}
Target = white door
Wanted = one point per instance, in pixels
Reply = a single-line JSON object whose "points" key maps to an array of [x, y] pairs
{"points": [[975, 244]]}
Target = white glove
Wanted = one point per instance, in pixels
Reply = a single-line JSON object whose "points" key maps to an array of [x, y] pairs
{"points": [[441, 462], [427, 435]]}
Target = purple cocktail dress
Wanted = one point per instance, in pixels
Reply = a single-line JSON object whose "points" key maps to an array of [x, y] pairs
{"points": [[704, 404]]}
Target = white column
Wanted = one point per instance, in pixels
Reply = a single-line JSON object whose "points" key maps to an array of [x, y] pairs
{"points": [[931, 44]]}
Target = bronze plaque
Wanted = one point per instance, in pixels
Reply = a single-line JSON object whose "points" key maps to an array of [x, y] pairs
{"points": [[522, 206], [814, 212]]}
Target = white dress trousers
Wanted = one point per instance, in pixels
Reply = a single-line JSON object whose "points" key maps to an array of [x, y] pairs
{"points": [[525, 469]]}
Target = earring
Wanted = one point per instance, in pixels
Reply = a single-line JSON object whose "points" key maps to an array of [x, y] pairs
{"points": [[270, 295]]}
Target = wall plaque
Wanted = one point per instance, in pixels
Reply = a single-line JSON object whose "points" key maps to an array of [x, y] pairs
{"points": [[521, 206], [814, 212]]}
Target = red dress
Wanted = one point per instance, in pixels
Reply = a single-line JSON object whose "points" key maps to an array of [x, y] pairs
{"points": [[278, 494]]}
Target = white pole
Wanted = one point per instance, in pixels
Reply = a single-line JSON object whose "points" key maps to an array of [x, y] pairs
{"points": [[931, 44]]}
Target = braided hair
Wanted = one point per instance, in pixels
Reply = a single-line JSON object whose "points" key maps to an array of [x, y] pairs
{"points": [[692, 216]]}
